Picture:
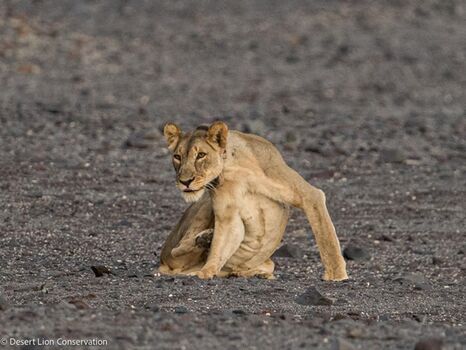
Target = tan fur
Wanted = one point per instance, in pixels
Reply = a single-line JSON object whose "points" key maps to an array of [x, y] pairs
{"points": [[247, 207]]}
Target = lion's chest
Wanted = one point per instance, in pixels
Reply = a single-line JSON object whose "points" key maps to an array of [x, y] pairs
{"points": [[264, 223]]}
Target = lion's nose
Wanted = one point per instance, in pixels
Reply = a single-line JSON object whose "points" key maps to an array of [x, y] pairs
{"points": [[187, 182]]}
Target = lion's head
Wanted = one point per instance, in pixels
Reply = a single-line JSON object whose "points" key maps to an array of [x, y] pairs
{"points": [[197, 156]]}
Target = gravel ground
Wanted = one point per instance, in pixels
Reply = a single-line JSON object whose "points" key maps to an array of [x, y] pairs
{"points": [[366, 99]]}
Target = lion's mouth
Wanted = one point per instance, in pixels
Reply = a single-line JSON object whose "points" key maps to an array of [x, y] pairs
{"points": [[188, 190]]}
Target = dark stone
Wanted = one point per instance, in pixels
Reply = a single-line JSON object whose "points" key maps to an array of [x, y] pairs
{"points": [[79, 304], [142, 139], [289, 251], [429, 344], [462, 250], [239, 312], [313, 297], [188, 281], [3, 303], [391, 155], [416, 280], [133, 274], [338, 317], [153, 307], [100, 270], [354, 252], [124, 222], [386, 238], [35, 194], [312, 146], [384, 317], [181, 309]]}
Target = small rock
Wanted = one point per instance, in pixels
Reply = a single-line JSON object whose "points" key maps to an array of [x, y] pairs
{"points": [[313, 297], [45, 287], [239, 312], [188, 281], [437, 261], [35, 194], [419, 318], [142, 139], [462, 249], [65, 305], [79, 304], [354, 252], [133, 274], [291, 137], [153, 134], [355, 333], [386, 238], [338, 317], [429, 344], [416, 124], [384, 317], [289, 251], [312, 146], [181, 309], [153, 307], [3, 303], [100, 270], [341, 344], [124, 222], [416, 280], [391, 155]]}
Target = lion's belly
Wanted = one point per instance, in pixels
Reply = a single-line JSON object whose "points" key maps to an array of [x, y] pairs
{"points": [[264, 225]]}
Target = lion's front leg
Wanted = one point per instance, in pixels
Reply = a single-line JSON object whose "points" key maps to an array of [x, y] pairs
{"points": [[228, 235]]}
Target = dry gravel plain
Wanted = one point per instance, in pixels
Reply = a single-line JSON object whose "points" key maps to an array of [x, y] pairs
{"points": [[366, 99]]}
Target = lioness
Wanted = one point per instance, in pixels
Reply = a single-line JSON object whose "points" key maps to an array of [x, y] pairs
{"points": [[242, 189]]}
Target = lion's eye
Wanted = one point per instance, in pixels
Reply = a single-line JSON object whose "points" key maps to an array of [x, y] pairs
{"points": [[177, 157], [201, 155]]}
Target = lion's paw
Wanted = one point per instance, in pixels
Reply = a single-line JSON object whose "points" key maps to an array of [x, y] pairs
{"points": [[335, 276], [206, 273]]}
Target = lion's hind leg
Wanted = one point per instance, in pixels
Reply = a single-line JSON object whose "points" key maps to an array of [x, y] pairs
{"points": [[189, 255], [196, 221], [194, 244]]}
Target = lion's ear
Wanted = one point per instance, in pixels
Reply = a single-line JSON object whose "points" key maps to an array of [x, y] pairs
{"points": [[218, 133], [172, 133]]}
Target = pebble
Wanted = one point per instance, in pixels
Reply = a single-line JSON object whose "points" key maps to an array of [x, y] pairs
{"points": [[35, 194], [142, 139], [133, 274], [239, 312], [100, 270], [181, 310], [153, 307], [79, 304], [313, 297], [3, 303], [416, 280], [391, 155], [354, 252]]}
